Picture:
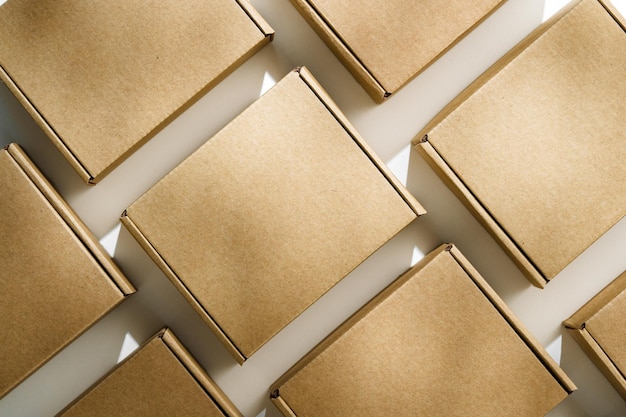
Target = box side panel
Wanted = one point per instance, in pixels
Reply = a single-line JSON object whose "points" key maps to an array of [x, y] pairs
{"points": [[619, 18], [171, 275], [469, 200], [282, 405], [411, 201], [256, 17]]}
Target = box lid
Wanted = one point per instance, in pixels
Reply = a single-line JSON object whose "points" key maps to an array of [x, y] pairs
{"points": [[438, 342], [55, 280], [159, 379], [270, 213], [599, 325], [386, 44], [536, 145], [101, 78]]}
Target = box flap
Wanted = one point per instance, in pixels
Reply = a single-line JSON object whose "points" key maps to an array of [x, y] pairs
{"points": [[55, 279], [289, 201], [387, 44], [537, 141], [160, 378], [437, 341], [102, 78]]}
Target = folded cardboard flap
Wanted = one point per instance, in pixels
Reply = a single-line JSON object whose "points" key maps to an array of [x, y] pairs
{"points": [[386, 46], [316, 161], [95, 97], [521, 167], [67, 282], [135, 384], [407, 320], [598, 329]]}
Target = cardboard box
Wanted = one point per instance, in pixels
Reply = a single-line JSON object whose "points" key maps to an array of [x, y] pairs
{"points": [[599, 329], [159, 379], [55, 279], [101, 78], [437, 342], [535, 146], [385, 45], [270, 213]]}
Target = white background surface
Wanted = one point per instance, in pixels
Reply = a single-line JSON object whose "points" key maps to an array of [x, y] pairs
{"points": [[388, 128]]}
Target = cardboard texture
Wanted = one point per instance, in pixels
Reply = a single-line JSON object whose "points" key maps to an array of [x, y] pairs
{"points": [[55, 279], [437, 342], [101, 78], [599, 329], [159, 379], [535, 146], [386, 44], [270, 213]]}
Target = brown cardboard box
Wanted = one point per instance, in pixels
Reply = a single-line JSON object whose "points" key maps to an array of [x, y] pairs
{"points": [[159, 379], [270, 213], [599, 329], [386, 44], [437, 342], [55, 279], [535, 146], [101, 78]]}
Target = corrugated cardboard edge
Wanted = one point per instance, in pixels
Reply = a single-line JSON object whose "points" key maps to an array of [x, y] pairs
{"points": [[256, 17], [615, 14], [349, 59], [194, 368], [576, 326], [438, 163], [455, 184], [93, 178], [550, 365], [187, 361], [323, 96], [181, 287], [71, 219]]}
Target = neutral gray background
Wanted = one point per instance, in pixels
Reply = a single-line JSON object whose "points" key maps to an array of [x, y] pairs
{"points": [[388, 128]]}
